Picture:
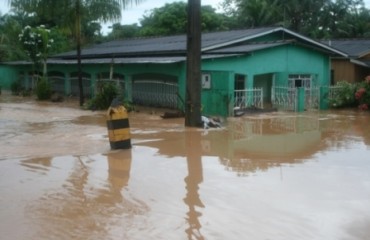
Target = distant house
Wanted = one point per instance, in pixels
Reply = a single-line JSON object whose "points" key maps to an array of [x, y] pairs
{"points": [[152, 71], [354, 68]]}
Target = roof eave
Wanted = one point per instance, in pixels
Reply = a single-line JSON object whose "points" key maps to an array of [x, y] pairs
{"points": [[357, 62], [127, 55], [240, 40], [315, 42], [363, 54]]}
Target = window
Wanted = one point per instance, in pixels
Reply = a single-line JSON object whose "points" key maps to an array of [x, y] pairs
{"points": [[300, 80]]}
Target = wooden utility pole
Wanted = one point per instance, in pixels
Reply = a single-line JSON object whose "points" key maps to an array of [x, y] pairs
{"points": [[78, 38], [193, 66]]}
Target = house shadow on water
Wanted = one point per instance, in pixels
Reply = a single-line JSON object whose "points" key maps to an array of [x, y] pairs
{"points": [[253, 143]]}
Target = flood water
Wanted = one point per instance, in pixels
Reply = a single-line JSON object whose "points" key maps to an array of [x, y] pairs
{"points": [[271, 176]]}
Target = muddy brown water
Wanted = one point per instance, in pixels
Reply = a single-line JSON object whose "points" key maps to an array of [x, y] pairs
{"points": [[268, 176]]}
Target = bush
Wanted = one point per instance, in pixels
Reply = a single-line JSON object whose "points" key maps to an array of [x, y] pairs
{"points": [[107, 92], [43, 89], [344, 96], [104, 97], [362, 94]]}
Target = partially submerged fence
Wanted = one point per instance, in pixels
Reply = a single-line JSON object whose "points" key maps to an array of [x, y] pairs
{"points": [[155, 93], [248, 98], [295, 99], [333, 91], [284, 98], [312, 98]]}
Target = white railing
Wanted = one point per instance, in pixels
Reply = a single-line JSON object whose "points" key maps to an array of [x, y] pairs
{"points": [[155, 93], [312, 98], [284, 98], [333, 91], [248, 98]]}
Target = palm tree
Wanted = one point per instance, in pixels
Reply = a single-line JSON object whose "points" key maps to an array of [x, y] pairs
{"points": [[73, 11], [256, 13]]}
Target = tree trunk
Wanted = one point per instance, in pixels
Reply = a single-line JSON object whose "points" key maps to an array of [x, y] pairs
{"points": [[193, 66]]}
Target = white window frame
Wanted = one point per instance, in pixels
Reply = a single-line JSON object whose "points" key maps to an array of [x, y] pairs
{"points": [[306, 80]]}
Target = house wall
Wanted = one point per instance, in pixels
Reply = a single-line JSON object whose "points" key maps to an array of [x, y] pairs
{"points": [[217, 100], [282, 61], [277, 62], [8, 75], [127, 70], [361, 73], [343, 70], [366, 57]]}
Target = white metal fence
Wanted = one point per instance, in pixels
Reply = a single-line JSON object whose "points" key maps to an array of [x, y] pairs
{"points": [[248, 98], [284, 98], [155, 93], [333, 91], [312, 98]]}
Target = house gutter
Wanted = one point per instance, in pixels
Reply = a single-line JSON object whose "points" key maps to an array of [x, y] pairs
{"points": [[357, 62]]}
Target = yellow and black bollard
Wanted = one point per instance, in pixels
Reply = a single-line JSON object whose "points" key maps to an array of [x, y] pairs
{"points": [[118, 127]]}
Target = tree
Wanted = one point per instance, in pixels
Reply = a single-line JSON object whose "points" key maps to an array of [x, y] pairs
{"points": [[314, 18], [10, 50], [37, 43], [123, 31], [172, 19], [71, 14], [256, 13]]}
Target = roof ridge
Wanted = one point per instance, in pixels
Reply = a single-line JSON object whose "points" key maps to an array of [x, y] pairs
{"points": [[184, 34], [345, 39]]}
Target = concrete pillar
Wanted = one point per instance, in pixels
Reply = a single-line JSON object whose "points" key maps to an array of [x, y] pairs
{"points": [[67, 84], [323, 98], [128, 88], [93, 84], [300, 99]]}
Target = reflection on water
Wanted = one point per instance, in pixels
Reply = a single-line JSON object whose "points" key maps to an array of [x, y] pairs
{"points": [[192, 180], [85, 205], [305, 176], [258, 142]]}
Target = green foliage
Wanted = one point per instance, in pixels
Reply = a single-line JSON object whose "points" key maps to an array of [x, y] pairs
{"points": [[43, 89], [350, 95], [102, 100], [362, 94], [171, 19], [123, 31], [317, 19], [10, 49], [36, 42], [61, 42], [344, 95]]}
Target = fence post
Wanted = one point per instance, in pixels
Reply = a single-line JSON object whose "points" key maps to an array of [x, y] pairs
{"points": [[67, 84], [300, 99], [324, 92]]}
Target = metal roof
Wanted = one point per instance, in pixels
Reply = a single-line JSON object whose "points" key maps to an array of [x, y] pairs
{"points": [[356, 48], [247, 48], [120, 60], [176, 45], [168, 45]]}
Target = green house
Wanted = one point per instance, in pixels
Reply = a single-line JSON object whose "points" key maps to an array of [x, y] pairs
{"points": [[259, 67]]}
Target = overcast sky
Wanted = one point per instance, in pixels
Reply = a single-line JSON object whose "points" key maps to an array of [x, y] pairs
{"points": [[133, 13]]}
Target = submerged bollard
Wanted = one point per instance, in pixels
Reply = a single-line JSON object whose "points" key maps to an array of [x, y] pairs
{"points": [[118, 126]]}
